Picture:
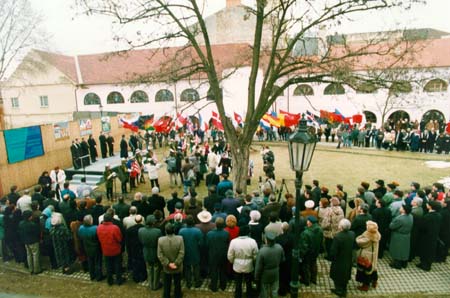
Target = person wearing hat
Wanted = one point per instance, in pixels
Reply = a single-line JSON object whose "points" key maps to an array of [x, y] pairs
{"points": [[148, 237], [368, 248], [30, 235], [267, 266], [359, 222], [429, 235], [192, 237], [389, 195], [206, 224], [309, 209], [242, 254], [379, 188], [310, 243], [400, 241]]}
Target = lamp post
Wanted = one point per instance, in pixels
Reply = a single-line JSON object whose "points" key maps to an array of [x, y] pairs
{"points": [[100, 107], [301, 146]]}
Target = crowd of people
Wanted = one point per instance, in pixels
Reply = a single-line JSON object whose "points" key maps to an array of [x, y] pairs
{"points": [[229, 234]]}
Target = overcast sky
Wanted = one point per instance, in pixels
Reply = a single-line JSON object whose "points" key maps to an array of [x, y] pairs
{"points": [[76, 34]]}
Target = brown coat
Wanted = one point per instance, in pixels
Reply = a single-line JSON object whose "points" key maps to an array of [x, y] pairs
{"points": [[330, 223], [368, 247]]}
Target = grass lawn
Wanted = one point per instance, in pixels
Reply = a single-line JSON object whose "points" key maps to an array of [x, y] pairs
{"points": [[332, 166]]}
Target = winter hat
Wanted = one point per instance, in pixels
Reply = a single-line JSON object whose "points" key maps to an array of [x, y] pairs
{"points": [[309, 204], [372, 226]]}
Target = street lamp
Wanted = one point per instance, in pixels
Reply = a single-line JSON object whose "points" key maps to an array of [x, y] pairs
{"points": [[100, 107], [301, 146]]}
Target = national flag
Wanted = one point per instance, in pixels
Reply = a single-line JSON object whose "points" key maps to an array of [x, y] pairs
{"points": [[264, 124], [288, 119], [312, 119], [135, 169], [338, 116], [146, 122], [238, 119], [357, 118], [163, 124], [202, 124], [180, 121], [129, 125], [272, 120], [216, 121]]}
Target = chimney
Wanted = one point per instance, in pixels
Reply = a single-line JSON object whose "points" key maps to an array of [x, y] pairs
{"points": [[231, 3]]}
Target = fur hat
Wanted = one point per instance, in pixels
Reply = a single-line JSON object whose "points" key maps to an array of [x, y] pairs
{"points": [[371, 226]]}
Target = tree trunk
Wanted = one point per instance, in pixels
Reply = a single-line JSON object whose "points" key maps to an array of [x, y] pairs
{"points": [[241, 154]]}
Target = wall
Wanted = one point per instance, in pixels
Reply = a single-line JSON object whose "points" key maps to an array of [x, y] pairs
{"points": [[57, 153]]}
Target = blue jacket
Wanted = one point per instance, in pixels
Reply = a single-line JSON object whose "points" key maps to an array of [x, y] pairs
{"points": [[217, 241], [88, 235], [192, 238]]}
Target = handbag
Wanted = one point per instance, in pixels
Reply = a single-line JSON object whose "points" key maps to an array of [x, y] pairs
{"points": [[364, 264]]}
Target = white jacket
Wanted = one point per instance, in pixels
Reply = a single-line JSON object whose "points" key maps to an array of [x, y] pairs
{"points": [[60, 177], [152, 170], [242, 254]]}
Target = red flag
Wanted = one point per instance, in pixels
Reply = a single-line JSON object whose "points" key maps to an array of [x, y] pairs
{"points": [[180, 121], [163, 124], [294, 116], [216, 121], [237, 118], [129, 125], [357, 118]]}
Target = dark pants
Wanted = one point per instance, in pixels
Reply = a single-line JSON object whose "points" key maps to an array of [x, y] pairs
{"points": [[124, 186], [309, 270], [114, 266], [248, 284], [109, 193], [192, 272], [168, 284], [154, 182], [341, 287], [218, 272], [95, 267]]}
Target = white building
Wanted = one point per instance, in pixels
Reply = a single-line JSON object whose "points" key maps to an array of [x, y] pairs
{"points": [[48, 87]]}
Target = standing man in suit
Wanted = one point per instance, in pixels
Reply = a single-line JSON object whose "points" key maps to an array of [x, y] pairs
{"points": [[102, 139], [171, 254], [92, 148], [110, 141], [123, 147]]}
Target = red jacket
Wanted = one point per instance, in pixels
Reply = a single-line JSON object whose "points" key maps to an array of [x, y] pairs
{"points": [[110, 237]]}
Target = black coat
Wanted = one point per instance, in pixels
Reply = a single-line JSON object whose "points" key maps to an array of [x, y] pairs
{"points": [[444, 233], [341, 257], [428, 235], [123, 148], [103, 145]]}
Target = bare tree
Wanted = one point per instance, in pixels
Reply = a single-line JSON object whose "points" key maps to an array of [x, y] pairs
{"points": [[283, 60]]}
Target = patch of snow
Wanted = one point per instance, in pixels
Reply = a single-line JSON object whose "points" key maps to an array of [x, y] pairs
{"points": [[437, 164]]}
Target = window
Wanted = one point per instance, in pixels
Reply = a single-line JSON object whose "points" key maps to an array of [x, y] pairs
{"points": [[190, 95], [91, 99], [163, 95], [370, 117], [334, 89], [115, 97], [44, 101], [366, 88], [400, 87], [436, 85], [139, 96], [434, 115], [15, 102], [211, 96], [303, 90]]}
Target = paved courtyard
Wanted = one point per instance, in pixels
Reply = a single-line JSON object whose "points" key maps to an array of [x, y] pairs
{"points": [[411, 281]]}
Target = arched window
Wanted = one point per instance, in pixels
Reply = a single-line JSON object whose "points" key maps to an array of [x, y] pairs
{"points": [[163, 95], [91, 99], [400, 87], [366, 88], [115, 97], [370, 117], [139, 96], [276, 89], [334, 89], [399, 116], [189, 95], [303, 90], [434, 115], [436, 85], [211, 96]]}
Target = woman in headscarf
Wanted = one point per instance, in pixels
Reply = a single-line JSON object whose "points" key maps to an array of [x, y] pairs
{"points": [[61, 238], [368, 248]]}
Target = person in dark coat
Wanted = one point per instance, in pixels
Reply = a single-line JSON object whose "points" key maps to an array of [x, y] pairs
{"points": [[211, 199], [122, 209], [286, 240], [148, 236], [30, 236], [156, 201], [103, 145], [382, 216], [205, 226], [359, 222], [172, 202], [88, 235], [74, 150], [310, 243], [110, 142], [84, 147], [217, 242], [399, 247], [38, 197], [134, 247], [212, 179], [341, 258], [192, 237], [11, 220], [123, 147], [444, 232], [92, 148], [428, 236]]}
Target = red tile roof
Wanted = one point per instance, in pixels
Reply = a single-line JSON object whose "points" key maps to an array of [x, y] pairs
{"points": [[147, 64]]}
